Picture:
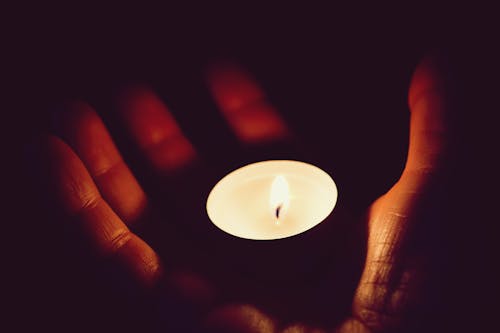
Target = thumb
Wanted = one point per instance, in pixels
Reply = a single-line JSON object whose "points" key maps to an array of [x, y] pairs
{"points": [[403, 223]]}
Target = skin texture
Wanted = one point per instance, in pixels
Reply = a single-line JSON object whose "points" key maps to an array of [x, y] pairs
{"points": [[98, 192]]}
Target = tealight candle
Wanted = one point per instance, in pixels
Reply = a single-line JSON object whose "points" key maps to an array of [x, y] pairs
{"points": [[272, 199]]}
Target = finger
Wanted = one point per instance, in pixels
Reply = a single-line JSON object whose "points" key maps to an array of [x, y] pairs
{"points": [[155, 130], [87, 135], [244, 105], [77, 193], [430, 124], [404, 223]]}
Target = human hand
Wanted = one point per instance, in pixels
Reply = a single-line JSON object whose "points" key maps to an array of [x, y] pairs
{"points": [[96, 187]]}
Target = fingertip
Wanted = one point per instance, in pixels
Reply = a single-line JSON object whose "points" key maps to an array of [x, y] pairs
{"points": [[432, 75], [127, 95], [154, 129], [232, 86], [79, 126], [68, 179], [77, 116], [433, 114], [243, 104], [83, 129], [55, 146], [86, 133]]}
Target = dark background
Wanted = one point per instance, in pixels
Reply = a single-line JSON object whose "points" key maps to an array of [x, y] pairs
{"points": [[338, 75]]}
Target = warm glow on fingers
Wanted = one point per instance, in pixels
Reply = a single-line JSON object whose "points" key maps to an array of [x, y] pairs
{"points": [[88, 136], [78, 196], [155, 130], [430, 105], [243, 104]]}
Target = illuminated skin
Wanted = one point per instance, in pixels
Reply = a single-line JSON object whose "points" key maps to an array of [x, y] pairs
{"points": [[95, 185]]}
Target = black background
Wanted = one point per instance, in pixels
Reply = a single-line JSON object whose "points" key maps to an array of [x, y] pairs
{"points": [[338, 75]]}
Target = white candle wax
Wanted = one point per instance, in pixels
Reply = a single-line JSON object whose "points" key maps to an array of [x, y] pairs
{"points": [[272, 199]]}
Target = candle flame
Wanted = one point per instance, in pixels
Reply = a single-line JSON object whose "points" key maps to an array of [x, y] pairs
{"points": [[279, 199]]}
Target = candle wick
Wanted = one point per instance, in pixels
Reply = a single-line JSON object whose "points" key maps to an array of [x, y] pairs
{"points": [[278, 209]]}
